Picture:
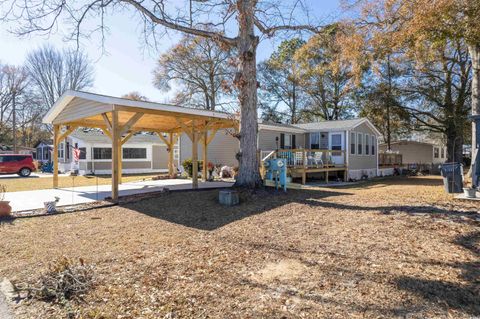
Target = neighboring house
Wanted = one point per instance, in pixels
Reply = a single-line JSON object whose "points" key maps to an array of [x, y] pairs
{"points": [[416, 153], [356, 140], [44, 151], [142, 153]]}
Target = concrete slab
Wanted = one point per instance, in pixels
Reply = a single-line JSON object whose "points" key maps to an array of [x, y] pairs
{"points": [[463, 197], [29, 200], [6, 292]]}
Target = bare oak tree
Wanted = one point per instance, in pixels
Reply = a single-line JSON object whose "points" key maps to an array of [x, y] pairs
{"points": [[234, 23], [53, 72], [17, 82]]}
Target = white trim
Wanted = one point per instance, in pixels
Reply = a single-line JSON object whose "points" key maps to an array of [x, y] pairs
{"points": [[338, 159], [365, 120], [347, 150], [69, 95], [376, 155], [354, 146]]}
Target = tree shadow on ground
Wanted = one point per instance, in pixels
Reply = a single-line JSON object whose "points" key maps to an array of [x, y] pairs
{"points": [[459, 216], [397, 181], [463, 297], [201, 210]]}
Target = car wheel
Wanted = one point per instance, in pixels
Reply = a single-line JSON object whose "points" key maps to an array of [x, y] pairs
{"points": [[24, 172]]}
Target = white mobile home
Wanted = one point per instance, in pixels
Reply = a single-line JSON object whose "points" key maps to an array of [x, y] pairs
{"points": [[347, 147], [143, 153]]}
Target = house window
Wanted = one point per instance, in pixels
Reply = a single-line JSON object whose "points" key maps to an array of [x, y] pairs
{"points": [[287, 143], [336, 144], [443, 152], [134, 153], [374, 142], [353, 143], [176, 153], [435, 152], [367, 144], [83, 153], [61, 150], [360, 143], [102, 153], [315, 141]]}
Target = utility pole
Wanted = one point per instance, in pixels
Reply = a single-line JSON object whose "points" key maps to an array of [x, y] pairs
{"points": [[14, 121]]}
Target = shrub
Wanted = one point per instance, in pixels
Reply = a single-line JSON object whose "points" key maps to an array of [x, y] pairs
{"points": [[188, 166], [65, 280]]}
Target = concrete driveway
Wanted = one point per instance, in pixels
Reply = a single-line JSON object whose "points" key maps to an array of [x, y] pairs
{"points": [[29, 200]]}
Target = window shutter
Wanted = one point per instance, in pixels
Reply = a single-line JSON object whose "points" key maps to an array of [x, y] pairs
{"points": [[294, 144], [282, 141]]}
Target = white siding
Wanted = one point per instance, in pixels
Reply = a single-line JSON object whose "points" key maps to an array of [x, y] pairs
{"points": [[222, 149]]}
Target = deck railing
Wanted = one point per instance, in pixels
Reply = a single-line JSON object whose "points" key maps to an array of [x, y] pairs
{"points": [[389, 159], [308, 158]]}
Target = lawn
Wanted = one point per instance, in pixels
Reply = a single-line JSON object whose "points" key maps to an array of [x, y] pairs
{"points": [[17, 184], [393, 248]]}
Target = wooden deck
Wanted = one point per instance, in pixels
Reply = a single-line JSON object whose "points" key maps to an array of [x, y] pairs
{"points": [[301, 162]]}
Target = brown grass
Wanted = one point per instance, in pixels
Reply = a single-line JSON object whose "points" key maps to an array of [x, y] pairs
{"points": [[397, 247], [17, 184]]}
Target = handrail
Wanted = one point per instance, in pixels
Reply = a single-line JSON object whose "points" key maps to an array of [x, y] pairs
{"points": [[268, 156]]}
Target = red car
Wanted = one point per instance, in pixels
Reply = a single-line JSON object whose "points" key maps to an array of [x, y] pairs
{"points": [[20, 164]]}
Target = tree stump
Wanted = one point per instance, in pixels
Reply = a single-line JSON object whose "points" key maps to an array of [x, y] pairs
{"points": [[228, 197]]}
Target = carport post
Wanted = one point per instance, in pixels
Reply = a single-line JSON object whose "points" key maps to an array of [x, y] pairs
{"points": [[170, 154], [205, 155], [56, 130], [194, 156], [115, 155], [120, 162]]}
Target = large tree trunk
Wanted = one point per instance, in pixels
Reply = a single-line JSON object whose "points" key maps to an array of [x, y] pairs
{"points": [[246, 81], [475, 56], [454, 143]]}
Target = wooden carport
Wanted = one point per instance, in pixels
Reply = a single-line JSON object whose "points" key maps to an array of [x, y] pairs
{"points": [[121, 118]]}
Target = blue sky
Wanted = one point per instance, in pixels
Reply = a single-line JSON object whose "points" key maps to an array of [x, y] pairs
{"points": [[127, 65]]}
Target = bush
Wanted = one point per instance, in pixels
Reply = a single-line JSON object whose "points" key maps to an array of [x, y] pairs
{"points": [[65, 280], [188, 166]]}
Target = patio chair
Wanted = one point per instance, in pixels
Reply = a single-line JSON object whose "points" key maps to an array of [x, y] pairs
{"points": [[318, 158]]}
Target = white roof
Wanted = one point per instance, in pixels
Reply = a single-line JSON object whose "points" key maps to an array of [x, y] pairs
{"points": [[69, 95], [337, 125], [97, 136]]}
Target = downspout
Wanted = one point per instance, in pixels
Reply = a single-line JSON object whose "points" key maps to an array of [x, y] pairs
{"points": [[376, 152], [347, 154]]}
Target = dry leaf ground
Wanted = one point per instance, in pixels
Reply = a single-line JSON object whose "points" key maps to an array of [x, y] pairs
{"points": [[393, 248]]}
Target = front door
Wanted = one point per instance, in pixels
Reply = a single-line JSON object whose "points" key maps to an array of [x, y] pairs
{"points": [[336, 142]]}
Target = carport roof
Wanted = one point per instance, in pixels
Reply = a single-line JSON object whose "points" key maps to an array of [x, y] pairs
{"points": [[91, 110]]}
